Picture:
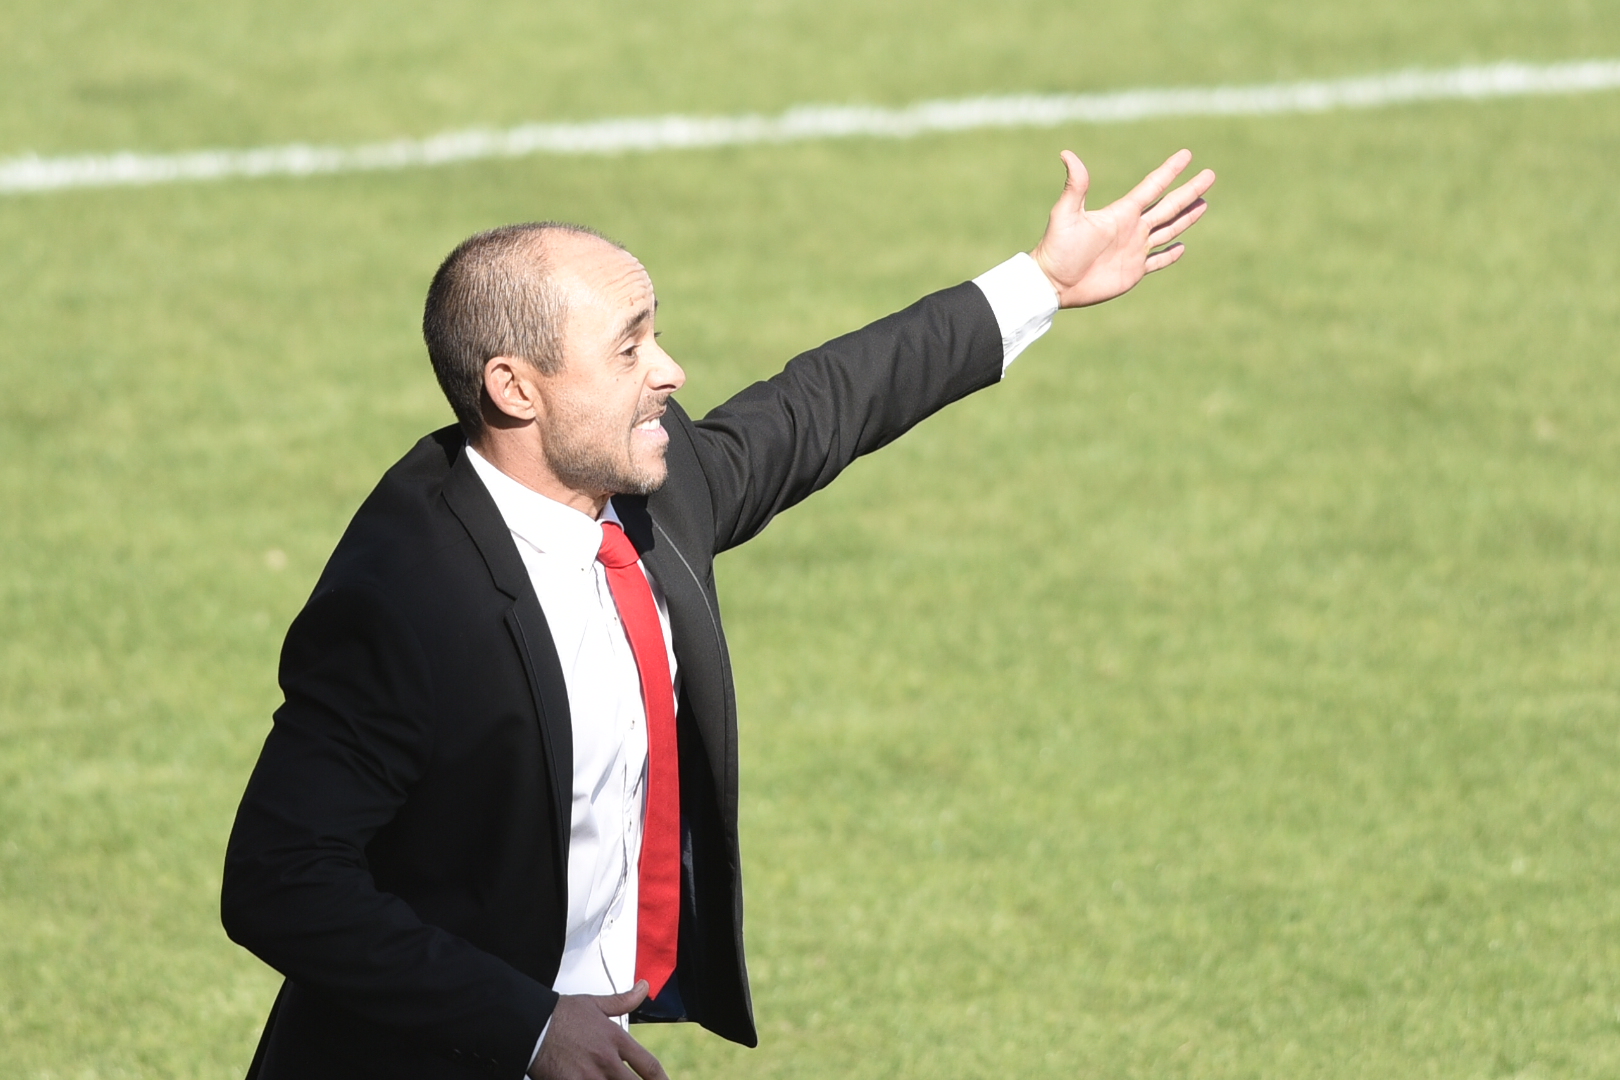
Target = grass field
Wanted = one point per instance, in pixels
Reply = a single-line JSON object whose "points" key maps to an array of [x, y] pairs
{"points": [[1230, 693]]}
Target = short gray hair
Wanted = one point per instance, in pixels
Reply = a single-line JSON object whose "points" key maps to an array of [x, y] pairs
{"points": [[494, 295]]}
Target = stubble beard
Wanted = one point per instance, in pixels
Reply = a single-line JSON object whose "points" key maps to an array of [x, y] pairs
{"points": [[584, 451]]}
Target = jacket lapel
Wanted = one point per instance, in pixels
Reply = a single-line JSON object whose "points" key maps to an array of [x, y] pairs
{"points": [[694, 623], [470, 501]]}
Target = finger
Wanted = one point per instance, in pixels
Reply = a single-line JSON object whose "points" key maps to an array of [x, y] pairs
{"points": [[1178, 200], [1163, 258], [1157, 182], [1077, 182], [1181, 223], [638, 1058], [619, 1004]]}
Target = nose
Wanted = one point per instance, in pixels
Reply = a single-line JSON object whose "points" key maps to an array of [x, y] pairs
{"points": [[666, 376]]}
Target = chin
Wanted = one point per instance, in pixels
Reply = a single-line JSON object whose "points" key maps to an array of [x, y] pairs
{"points": [[642, 481], [647, 477], [645, 484]]}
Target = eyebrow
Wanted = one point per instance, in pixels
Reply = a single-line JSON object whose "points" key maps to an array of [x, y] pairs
{"points": [[636, 321]]}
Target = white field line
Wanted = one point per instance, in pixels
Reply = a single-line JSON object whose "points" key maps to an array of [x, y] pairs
{"points": [[34, 173]]}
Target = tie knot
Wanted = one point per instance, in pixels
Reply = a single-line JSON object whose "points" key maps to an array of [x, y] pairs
{"points": [[616, 551]]}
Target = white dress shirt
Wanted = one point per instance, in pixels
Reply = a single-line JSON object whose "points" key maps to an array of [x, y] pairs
{"points": [[559, 545], [1023, 301]]}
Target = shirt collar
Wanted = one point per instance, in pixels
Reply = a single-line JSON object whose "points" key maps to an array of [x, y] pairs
{"points": [[543, 523]]}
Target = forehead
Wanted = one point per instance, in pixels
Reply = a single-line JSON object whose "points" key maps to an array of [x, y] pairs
{"points": [[599, 277]]}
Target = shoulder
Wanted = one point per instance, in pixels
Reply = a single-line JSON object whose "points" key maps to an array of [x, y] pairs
{"points": [[404, 537]]}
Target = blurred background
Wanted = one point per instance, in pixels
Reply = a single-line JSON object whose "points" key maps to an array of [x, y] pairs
{"points": [[1231, 692]]}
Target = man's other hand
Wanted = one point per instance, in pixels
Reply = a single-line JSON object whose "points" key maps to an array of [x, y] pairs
{"points": [[583, 1042], [1095, 255]]}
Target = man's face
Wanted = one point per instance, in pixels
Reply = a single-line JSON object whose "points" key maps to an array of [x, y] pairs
{"points": [[600, 430]]}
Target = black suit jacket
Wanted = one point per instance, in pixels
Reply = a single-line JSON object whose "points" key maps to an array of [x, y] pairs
{"points": [[400, 853]]}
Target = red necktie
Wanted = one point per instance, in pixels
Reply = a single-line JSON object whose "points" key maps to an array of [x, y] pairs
{"points": [[658, 917]]}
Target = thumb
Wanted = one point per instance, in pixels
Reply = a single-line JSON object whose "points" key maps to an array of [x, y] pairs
{"points": [[619, 1004], [1077, 183]]}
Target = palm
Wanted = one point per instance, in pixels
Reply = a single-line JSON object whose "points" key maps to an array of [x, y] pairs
{"points": [[1095, 255]]}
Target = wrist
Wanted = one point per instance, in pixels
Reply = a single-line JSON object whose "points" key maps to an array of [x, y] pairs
{"points": [[1040, 258]]}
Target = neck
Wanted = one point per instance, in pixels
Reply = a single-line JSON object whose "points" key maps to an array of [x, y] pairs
{"points": [[523, 460]]}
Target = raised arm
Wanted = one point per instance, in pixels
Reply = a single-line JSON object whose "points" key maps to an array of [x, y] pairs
{"points": [[780, 440]]}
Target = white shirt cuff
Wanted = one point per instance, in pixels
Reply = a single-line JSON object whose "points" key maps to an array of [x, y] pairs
{"points": [[1023, 301]]}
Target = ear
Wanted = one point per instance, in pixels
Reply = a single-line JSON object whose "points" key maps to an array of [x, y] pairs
{"points": [[510, 387]]}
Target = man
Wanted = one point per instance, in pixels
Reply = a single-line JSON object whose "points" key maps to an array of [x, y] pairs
{"points": [[497, 813]]}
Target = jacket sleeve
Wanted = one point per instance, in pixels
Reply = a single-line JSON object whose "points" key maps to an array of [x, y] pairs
{"points": [[352, 737], [780, 440]]}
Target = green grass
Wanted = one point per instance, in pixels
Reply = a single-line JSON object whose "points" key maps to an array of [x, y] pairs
{"points": [[1231, 693]]}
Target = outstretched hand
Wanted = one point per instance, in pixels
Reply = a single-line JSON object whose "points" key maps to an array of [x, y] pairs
{"points": [[583, 1042], [1095, 255]]}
